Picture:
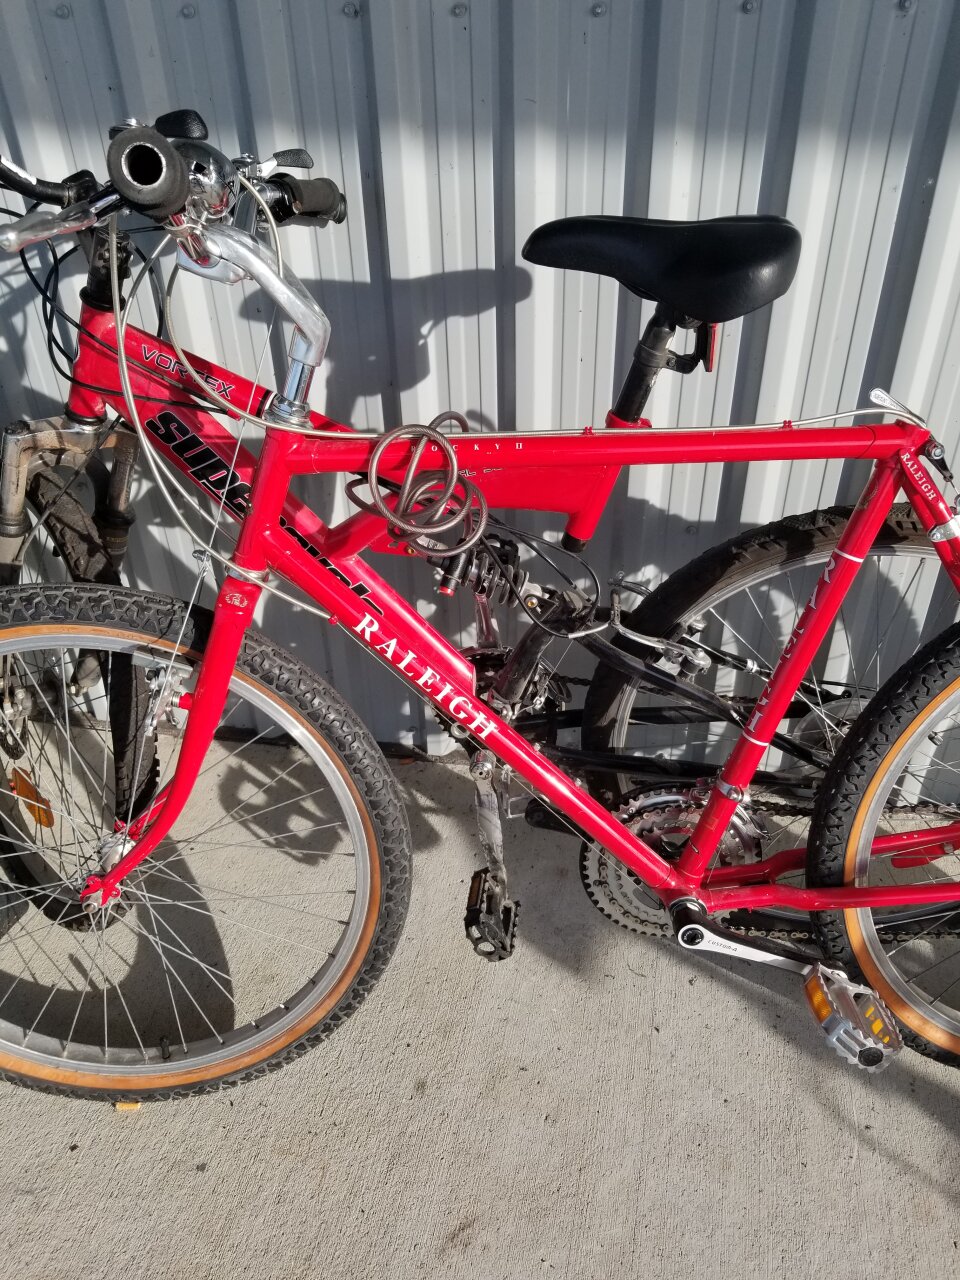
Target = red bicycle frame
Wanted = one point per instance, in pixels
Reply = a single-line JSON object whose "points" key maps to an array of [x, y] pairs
{"points": [[569, 474]]}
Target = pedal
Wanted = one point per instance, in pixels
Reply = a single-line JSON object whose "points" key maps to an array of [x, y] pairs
{"points": [[857, 1024], [491, 918]]}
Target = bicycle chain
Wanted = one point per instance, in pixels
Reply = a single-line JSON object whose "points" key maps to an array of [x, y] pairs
{"points": [[653, 926]]}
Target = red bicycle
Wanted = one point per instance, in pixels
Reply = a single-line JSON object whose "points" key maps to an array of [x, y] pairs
{"points": [[155, 943]]}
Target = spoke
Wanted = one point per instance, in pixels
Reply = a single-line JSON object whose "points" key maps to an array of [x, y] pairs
{"points": [[108, 684], [155, 943], [196, 843], [949, 987], [157, 869], [103, 985], [57, 770], [144, 730], [937, 963], [283, 938], [249, 742], [119, 990], [76, 1014], [66, 720], [215, 974], [242, 804], [56, 722], [37, 947], [166, 974]]}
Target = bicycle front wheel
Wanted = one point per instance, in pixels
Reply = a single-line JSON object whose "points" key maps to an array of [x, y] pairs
{"points": [[898, 775], [257, 925]]}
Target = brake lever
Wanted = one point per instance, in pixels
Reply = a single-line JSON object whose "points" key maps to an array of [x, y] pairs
{"points": [[45, 224]]}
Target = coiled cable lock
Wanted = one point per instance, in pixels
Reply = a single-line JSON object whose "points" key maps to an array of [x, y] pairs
{"points": [[428, 503]]}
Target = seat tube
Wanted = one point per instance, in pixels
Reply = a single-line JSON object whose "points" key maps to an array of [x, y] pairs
{"points": [[818, 615]]}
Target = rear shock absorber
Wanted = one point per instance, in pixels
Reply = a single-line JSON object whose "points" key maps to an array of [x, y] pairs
{"points": [[492, 571]]}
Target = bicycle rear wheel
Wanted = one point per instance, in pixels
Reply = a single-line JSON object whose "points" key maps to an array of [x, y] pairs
{"points": [[742, 599], [64, 544], [257, 925]]}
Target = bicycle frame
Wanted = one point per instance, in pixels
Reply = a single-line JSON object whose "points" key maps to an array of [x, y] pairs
{"points": [[569, 474]]}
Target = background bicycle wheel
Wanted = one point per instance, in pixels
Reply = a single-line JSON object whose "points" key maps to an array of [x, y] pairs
{"points": [[455, 129]]}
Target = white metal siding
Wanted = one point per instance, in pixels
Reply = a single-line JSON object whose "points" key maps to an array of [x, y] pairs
{"points": [[455, 129]]}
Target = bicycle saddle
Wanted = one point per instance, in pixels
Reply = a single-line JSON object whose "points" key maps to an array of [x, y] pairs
{"points": [[713, 271]]}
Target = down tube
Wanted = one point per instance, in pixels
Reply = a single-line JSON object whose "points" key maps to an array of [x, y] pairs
{"points": [[393, 633]]}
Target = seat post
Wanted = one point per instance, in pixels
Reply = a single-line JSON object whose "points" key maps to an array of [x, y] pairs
{"points": [[648, 359]]}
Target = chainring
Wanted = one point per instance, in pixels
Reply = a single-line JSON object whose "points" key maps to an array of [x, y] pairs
{"points": [[656, 814], [663, 819]]}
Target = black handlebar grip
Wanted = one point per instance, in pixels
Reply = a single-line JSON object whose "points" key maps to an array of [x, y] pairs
{"points": [[13, 178], [313, 197], [148, 173], [184, 123]]}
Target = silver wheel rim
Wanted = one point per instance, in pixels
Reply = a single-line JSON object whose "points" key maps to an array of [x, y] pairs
{"points": [[919, 583], [915, 784], [147, 1058]]}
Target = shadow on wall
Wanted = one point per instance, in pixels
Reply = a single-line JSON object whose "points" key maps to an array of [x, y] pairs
{"points": [[416, 307], [19, 321]]}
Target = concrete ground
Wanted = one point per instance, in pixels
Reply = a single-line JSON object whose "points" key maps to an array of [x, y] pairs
{"points": [[599, 1106]]}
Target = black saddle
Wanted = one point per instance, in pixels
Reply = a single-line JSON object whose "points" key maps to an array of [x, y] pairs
{"points": [[710, 271]]}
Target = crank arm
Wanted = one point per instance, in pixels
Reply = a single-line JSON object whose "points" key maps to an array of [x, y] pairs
{"points": [[697, 932]]}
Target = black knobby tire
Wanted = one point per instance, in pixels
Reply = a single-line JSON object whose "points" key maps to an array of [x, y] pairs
{"points": [[72, 531], [90, 612], [666, 610], [868, 762]]}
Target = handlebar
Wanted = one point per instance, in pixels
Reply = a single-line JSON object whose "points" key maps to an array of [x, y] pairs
{"points": [[44, 224], [149, 174], [76, 187]]}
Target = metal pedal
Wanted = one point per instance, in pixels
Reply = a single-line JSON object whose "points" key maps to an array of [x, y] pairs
{"points": [[857, 1024], [491, 918]]}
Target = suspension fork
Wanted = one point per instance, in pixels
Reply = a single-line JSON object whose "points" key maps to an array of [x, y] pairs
{"points": [[232, 616]]}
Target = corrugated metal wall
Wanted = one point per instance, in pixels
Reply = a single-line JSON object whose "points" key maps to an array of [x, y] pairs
{"points": [[455, 128]]}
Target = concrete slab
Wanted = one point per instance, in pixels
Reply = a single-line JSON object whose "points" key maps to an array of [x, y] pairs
{"points": [[599, 1106]]}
